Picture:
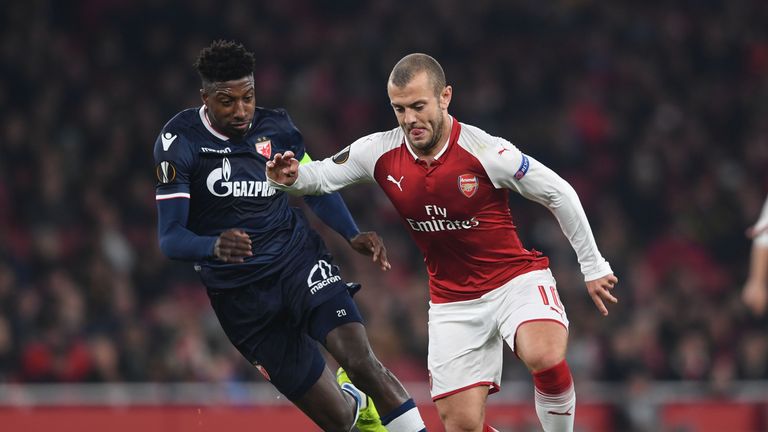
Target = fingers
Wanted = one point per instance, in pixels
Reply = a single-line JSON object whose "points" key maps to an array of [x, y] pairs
{"points": [[233, 246], [599, 303], [369, 243], [283, 167], [600, 291], [380, 255], [384, 261]]}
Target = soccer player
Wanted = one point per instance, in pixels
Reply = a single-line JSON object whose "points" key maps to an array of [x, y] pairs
{"points": [[755, 293], [449, 182], [270, 279]]}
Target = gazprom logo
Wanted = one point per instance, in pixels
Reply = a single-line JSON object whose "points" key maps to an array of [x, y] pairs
{"points": [[217, 176], [321, 276], [219, 184]]}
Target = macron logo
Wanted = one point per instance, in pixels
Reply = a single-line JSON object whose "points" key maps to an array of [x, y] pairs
{"points": [[321, 276], [167, 139], [397, 182]]}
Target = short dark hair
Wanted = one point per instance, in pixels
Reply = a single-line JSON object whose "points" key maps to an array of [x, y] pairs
{"points": [[407, 68], [224, 61]]}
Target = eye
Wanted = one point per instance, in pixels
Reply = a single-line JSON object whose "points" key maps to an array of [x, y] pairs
{"points": [[248, 98], [226, 102], [399, 109]]}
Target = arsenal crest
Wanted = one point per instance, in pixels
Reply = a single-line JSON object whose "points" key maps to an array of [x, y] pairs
{"points": [[264, 148], [468, 185]]}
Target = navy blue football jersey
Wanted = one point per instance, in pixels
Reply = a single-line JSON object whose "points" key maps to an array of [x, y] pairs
{"points": [[224, 180]]}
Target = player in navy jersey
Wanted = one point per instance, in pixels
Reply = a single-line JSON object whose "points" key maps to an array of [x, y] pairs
{"points": [[270, 279], [449, 182]]}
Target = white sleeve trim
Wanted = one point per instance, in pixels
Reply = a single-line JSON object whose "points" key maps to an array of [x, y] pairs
{"points": [[172, 196]]}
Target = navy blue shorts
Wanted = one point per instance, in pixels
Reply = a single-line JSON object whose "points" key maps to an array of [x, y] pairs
{"points": [[277, 324]]}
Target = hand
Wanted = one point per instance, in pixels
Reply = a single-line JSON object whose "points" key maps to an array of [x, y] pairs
{"points": [[369, 243], [600, 289], [233, 246], [283, 168], [755, 297]]}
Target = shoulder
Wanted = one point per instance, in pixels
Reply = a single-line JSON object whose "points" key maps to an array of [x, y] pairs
{"points": [[277, 118], [476, 140], [177, 137], [182, 122], [381, 140]]}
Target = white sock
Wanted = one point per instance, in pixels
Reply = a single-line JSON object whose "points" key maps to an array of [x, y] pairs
{"points": [[556, 412], [405, 418]]}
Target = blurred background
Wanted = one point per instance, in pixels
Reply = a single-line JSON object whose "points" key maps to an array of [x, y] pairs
{"points": [[655, 113]]}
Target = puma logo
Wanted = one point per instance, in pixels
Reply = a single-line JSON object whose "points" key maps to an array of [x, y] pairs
{"points": [[397, 182], [567, 413], [503, 149]]}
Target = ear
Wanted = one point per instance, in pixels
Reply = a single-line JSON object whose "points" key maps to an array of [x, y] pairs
{"points": [[445, 97], [204, 96]]}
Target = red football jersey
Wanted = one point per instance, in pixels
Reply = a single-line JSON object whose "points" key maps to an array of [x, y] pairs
{"points": [[457, 209]]}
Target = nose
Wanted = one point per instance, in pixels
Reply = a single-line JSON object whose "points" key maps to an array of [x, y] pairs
{"points": [[409, 116], [239, 113]]}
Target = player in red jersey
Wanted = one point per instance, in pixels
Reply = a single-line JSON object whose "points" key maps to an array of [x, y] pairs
{"points": [[449, 182]]}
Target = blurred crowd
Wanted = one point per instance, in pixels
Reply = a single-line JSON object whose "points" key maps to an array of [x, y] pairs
{"points": [[652, 113]]}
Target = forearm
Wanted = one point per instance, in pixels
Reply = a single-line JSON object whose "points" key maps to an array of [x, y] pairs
{"points": [[321, 177], [549, 189], [758, 264], [176, 240], [567, 209]]}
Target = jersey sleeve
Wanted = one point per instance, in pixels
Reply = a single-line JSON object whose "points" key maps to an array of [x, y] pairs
{"points": [[353, 164], [174, 163], [510, 168]]}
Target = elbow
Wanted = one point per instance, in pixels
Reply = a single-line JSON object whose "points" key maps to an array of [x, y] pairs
{"points": [[558, 195], [168, 248]]}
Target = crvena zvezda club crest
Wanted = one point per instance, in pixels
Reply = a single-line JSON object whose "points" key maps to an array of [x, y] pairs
{"points": [[468, 185], [264, 148]]}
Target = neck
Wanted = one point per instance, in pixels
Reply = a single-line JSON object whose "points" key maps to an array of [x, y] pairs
{"points": [[440, 142]]}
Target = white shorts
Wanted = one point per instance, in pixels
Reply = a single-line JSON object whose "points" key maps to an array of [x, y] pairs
{"points": [[465, 338]]}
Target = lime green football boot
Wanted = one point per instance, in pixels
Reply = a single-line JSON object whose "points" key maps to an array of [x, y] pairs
{"points": [[368, 418]]}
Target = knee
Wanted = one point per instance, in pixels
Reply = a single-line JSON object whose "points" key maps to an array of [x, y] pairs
{"points": [[544, 359]]}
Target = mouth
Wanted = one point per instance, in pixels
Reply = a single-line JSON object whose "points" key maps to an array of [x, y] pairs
{"points": [[240, 126], [417, 133]]}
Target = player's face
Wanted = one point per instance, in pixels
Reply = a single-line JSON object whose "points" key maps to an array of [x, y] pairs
{"points": [[421, 113], [230, 105]]}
